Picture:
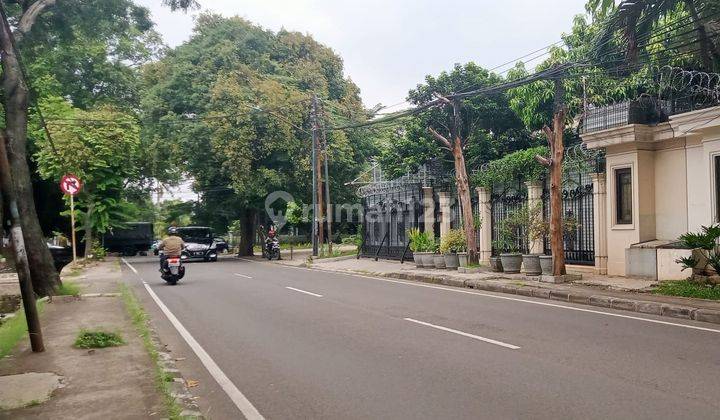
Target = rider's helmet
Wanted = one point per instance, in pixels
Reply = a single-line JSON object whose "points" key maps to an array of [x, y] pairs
{"points": [[172, 230]]}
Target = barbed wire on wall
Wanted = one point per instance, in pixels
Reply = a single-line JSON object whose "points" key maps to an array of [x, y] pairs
{"points": [[699, 84]]}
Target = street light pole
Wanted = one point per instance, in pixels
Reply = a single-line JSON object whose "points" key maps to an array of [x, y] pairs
{"points": [[314, 175]]}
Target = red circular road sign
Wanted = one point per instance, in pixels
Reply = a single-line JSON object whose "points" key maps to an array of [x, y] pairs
{"points": [[70, 184]]}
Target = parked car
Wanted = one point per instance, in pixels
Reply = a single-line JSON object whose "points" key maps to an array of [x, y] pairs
{"points": [[62, 256], [133, 238], [199, 243], [222, 245]]}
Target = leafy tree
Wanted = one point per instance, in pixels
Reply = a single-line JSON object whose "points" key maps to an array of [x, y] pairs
{"points": [[234, 104], [103, 155], [38, 23], [492, 129], [632, 26]]}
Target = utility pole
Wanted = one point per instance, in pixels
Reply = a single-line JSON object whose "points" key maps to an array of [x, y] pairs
{"points": [[18, 246], [327, 194], [314, 176]]}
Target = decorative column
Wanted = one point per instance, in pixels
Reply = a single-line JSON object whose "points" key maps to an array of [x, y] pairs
{"points": [[600, 221], [485, 213], [429, 210], [445, 214], [535, 190]]}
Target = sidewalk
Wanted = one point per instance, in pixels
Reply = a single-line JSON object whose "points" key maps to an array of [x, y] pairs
{"points": [[629, 294], [113, 382]]}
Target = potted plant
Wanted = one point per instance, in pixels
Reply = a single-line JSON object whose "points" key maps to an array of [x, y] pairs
{"points": [[529, 220], [510, 257], [495, 263], [451, 244], [546, 264], [421, 245], [438, 258]]}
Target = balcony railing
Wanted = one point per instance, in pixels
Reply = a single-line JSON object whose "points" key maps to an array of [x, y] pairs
{"points": [[646, 110]]}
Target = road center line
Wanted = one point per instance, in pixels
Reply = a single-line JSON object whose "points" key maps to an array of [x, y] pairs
{"points": [[243, 275], [509, 298], [237, 397], [303, 291], [464, 334]]}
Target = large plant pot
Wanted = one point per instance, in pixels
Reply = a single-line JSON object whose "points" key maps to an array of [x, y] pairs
{"points": [[531, 263], [439, 261], [496, 264], [452, 261], [418, 260], [428, 260], [462, 259], [546, 264], [511, 263]]}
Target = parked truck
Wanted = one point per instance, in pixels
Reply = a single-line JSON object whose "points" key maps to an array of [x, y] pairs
{"points": [[131, 239]]}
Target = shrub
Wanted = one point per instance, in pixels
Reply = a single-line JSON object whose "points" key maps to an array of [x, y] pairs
{"points": [[421, 241], [687, 262], [98, 251], [98, 340], [453, 241]]}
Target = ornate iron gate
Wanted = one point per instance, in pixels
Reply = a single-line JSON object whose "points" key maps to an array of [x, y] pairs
{"points": [[503, 203], [578, 219], [387, 217]]}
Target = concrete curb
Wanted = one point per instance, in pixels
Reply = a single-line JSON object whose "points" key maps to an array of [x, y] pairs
{"points": [[563, 295], [178, 387]]}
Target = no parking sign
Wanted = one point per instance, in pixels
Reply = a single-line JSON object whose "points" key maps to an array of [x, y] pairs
{"points": [[70, 184]]}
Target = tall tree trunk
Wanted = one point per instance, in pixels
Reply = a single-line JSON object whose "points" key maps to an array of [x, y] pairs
{"points": [[44, 276], [88, 227], [707, 47], [247, 232], [463, 191], [556, 224]]}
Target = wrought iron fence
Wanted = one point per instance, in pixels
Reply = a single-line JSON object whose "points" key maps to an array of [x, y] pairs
{"points": [[578, 219], [504, 201]]}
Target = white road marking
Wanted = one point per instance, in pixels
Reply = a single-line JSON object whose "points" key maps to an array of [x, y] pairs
{"points": [[552, 305], [237, 397], [243, 275], [303, 291], [128, 264], [464, 334]]}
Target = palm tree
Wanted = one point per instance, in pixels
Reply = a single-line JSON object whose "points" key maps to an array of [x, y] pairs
{"points": [[636, 22]]}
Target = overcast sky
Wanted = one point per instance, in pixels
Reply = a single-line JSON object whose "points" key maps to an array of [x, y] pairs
{"points": [[388, 46]]}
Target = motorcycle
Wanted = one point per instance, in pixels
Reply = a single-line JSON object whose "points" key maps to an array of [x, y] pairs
{"points": [[173, 270], [272, 249]]}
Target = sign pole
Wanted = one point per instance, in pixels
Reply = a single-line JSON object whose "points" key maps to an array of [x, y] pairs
{"points": [[72, 225]]}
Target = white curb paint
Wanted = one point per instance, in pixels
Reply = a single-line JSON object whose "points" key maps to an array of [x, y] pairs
{"points": [[237, 397], [464, 334], [128, 264]]}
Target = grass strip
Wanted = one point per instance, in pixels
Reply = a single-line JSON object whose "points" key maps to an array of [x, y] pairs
{"points": [[140, 321], [68, 288], [689, 289], [14, 329]]}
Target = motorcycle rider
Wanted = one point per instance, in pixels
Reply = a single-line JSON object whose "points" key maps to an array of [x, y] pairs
{"points": [[271, 238], [171, 246]]}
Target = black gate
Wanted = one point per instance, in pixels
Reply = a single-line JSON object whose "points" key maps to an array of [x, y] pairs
{"points": [[505, 201], [578, 219], [387, 217]]}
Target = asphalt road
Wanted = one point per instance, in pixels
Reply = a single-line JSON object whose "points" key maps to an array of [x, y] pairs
{"points": [[307, 344]]}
